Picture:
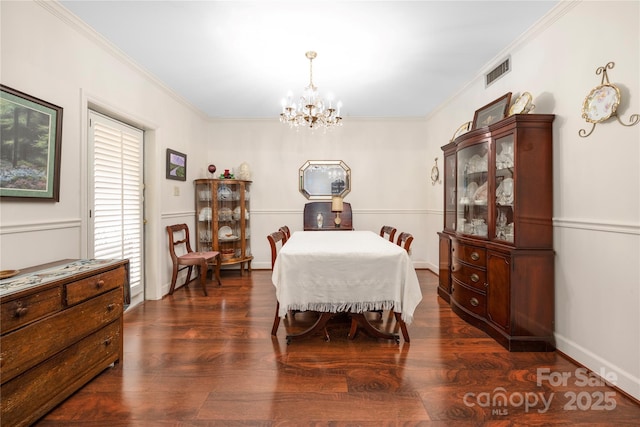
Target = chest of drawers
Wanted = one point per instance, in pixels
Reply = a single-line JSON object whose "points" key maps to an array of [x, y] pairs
{"points": [[58, 335]]}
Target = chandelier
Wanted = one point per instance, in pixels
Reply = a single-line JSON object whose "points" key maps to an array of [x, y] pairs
{"points": [[310, 110]]}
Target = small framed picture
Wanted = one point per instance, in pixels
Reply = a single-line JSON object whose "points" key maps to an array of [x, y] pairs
{"points": [[30, 143], [492, 112], [176, 165]]}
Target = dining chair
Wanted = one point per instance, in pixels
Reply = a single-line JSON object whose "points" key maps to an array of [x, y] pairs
{"points": [[286, 231], [182, 255], [404, 241], [388, 231], [276, 240]]}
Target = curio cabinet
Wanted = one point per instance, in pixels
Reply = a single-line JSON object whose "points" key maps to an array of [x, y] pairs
{"points": [[223, 220]]}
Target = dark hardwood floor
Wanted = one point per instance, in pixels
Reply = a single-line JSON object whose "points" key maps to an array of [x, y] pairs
{"points": [[192, 360]]}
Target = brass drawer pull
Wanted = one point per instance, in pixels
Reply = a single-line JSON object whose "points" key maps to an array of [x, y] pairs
{"points": [[474, 302], [475, 256], [21, 311], [475, 277]]}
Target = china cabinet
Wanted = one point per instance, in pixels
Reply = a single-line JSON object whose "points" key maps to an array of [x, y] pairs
{"points": [[496, 247], [222, 220]]}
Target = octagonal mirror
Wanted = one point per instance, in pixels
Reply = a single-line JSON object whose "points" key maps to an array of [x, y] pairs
{"points": [[322, 179]]}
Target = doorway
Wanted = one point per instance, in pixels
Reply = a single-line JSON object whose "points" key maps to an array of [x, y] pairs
{"points": [[116, 198]]}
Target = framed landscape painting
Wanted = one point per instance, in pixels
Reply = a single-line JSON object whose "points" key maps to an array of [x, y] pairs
{"points": [[30, 143], [176, 165]]}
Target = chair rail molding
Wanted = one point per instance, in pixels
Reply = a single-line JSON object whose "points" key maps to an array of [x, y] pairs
{"points": [[597, 225], [31, 227]]}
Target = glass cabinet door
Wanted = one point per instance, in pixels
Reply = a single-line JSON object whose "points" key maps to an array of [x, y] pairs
{"points": [[504, 200], [227, 223], [473, 173], [245, 220], [450, 192], [203, 236]]}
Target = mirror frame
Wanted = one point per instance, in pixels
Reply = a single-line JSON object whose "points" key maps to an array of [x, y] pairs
{"points": [[326, 173]]}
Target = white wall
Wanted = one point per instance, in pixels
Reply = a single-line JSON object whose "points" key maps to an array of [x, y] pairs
{"points": [[596, 179], [389, 171], [62, 61]]}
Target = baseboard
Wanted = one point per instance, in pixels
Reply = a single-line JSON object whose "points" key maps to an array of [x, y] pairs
{"points": [[626, 383]]}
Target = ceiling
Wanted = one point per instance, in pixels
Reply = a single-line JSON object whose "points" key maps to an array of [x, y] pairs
{"points": [[239, 59]]}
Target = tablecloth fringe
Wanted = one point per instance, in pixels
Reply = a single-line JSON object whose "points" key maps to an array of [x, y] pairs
{"points": [[350, 307]]}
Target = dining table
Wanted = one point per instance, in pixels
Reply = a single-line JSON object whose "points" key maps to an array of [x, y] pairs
{"points": [[350, 272]]}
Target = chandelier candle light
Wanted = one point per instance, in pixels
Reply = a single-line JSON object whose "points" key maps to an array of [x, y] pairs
{"points": [[310, 110]]}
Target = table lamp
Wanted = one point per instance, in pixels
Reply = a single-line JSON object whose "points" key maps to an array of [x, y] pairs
{"points": [[336, 206]]}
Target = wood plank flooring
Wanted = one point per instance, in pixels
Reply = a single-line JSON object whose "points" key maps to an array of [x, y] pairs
{"points": [[192, 360]]}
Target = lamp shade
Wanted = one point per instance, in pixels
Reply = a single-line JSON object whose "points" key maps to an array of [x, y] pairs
{"points": [[336, 204]]}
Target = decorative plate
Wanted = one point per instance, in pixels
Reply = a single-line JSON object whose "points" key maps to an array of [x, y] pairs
{"points": [[225, 214], [601, 103], [5, 274], [522, 104], [225, 233], [464, 128], [225, 193]]}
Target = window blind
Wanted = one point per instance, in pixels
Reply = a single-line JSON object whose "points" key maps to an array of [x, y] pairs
{"points": [[117, 199]]}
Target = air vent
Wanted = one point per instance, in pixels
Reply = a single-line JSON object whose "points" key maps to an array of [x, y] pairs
{"points": [[498, 72]]}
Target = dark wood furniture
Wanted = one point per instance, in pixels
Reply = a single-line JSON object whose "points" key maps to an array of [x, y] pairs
{"points": [[388, 232], [276, 240], [58, 335], [313, 209], [223, 220], [180, 243], [496, 248], [404, 241], [285, 229]]}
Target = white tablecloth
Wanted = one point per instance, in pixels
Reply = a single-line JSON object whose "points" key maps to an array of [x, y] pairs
{"points": [[345, 271]]}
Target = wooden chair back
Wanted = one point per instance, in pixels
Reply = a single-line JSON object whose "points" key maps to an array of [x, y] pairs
{"points": [[404, 241], [276, 240], [286, 231], [388, 232], [179, 243]]}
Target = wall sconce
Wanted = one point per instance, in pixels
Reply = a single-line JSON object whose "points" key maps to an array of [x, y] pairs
{"points": [[337, 207]]}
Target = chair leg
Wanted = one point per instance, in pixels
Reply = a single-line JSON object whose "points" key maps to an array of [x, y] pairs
{"points": [[202, 272], [174, 277], [188, 279], [216, 269], [403, 326], [276, 320], [354, 329]]}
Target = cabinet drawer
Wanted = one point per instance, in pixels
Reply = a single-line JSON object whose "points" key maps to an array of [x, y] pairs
{"points": [[94, 285], [471, 300], [26, 347], [469, 254], [29, 308], [30, 396], [470, 276]]}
